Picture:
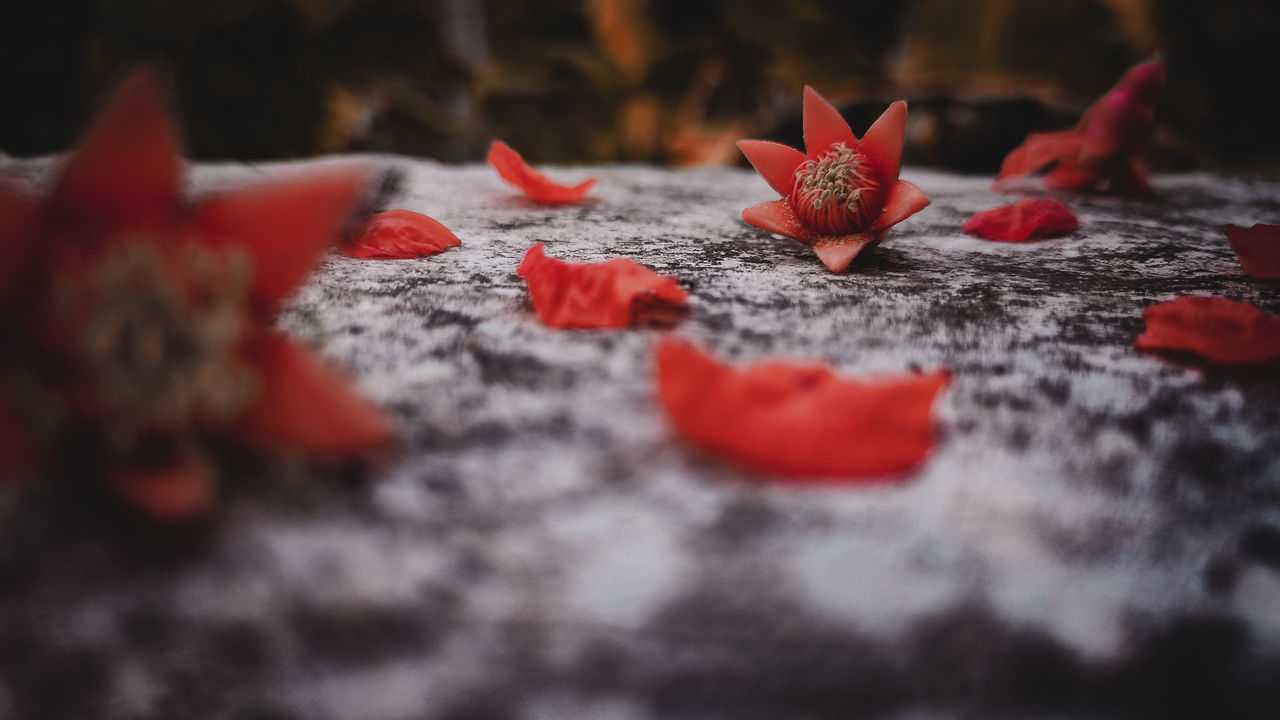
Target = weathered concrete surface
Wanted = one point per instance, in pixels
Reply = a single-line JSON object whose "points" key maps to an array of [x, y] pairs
{"points": [[1097, 535]]}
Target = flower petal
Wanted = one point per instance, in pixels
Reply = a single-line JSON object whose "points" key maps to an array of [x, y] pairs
{"points": [[1037, 151], [399, 234], [775, 162], [903, 201], [797, 419], [19, 215], [882, 145], [127, 164], [613, 294], [1258, 248], [283, 226], [1023, 220], [1215, 328], [837, 251], [305, 406], [536, 186], [823, 125], [776, 216], [168, 494]]}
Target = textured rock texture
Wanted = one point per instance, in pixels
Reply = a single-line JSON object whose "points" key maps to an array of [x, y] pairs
{"points": [[1096, 536]]}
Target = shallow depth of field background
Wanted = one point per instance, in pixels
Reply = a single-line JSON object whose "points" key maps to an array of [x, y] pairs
{"points": [[665, 81]]}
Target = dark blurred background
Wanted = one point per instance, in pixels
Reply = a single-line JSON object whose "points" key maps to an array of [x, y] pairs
{"points": [[669, 81]]}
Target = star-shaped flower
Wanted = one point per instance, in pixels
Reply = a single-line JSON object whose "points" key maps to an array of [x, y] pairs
{"points": [[842, 194], [138, 325], [1107, 149]]}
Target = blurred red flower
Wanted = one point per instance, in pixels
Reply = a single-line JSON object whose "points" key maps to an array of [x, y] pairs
{"points": [[138, 325], [1219, 330], [842, 194], [612, 294], [797, 419], [536, 186], [1258, 248], [1106, 150], [1023, 220], [398, 235]]}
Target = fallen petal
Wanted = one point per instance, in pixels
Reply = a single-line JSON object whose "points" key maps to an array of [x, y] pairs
{"points": [[1037, 152], [1023, 220], [613, 294], [167, 494], [536, 186], [794, 419], [1258, 248], [1215, 328], [399, 234]]}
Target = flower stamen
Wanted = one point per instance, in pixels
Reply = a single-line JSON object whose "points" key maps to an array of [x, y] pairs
{"points": [[838, 193]]}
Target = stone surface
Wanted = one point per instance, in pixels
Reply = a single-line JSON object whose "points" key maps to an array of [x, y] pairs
{"points": [[1096, 536]]}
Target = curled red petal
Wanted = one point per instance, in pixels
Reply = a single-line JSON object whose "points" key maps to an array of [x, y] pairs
{"points": [[284, 227], [1023, 220], [776, 216], [169, 494], [536, 186], [796, 419], [306, 406], [612, 294], [127, 164], [1215, 328], [399, 234], [824, 126], [1037, 152], [903, 201], [775, 162], [1258, 248], [882, 145], [837, 251]]}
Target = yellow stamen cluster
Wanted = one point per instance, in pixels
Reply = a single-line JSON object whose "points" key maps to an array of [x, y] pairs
{"points": [[838, 193]]}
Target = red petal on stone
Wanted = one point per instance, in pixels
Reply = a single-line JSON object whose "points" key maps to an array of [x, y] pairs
{"points": [[19, 215], [1215, 328], [836, 252], [400, 234], [903, 201], [775, 162], [1037, 151], [799, 420], [1023, 220], [823, 126], [536, 186], [1258, 248], [168, 494], [776, 216], [126, 168], [882, 145], [283, 226], [305, 406], [612, 294]]}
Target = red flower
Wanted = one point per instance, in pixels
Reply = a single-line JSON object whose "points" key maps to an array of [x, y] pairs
{"points": [[1258, 248], [138, 326], [1107, 149], [399, 234], [536, 186], [1023, 220], [612, 294], [797, 419], [842, 194], [1215, 328]]}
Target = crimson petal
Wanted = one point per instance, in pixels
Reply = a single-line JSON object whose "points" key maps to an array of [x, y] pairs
{"points": [[306, 406], [903, 201], [836, 252], [536, 186], [283, 226], [776, 216], [1258, 248], [775, 162], [168, 494], [798, 420], [1023, 220], [126, 168], [823, 126], [612, 294], [1215, 328], [400, 234], [882, 144]]}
